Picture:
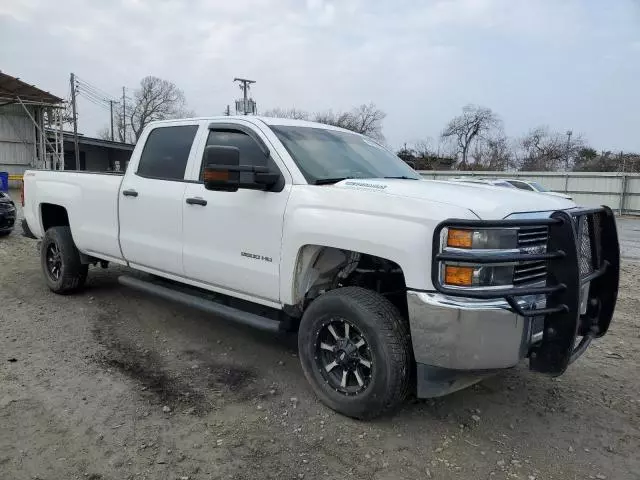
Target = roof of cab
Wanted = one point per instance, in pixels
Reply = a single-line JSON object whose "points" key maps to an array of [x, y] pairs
{"points": [[252, 119]]}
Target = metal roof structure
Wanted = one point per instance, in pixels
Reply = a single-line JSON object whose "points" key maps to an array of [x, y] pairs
{"points": [[97, 142], [14, 90]]}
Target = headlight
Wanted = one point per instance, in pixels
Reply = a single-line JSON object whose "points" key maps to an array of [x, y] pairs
{"points": [[478, 276], [494, 238], [462, 274]]}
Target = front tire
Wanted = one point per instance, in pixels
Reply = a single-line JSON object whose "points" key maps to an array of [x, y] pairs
{"points": [[61, 264], [354, 348]]}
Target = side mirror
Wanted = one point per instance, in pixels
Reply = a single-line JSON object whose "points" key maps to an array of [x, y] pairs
{"points": [[223, 171]]}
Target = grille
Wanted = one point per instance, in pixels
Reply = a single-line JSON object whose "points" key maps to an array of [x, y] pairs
{"points": [[589, 234], [532, 239], [586, 259], [5, 206]]}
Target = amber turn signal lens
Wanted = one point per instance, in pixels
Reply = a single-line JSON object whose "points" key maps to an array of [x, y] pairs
{"points": [[460, 238], [462, 276], [216, 175]]}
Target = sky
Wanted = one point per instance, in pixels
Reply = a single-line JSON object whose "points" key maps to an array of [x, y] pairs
{"points": [[568, 64]]}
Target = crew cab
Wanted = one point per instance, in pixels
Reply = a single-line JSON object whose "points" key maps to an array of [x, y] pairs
{"points": [[393, 283]]}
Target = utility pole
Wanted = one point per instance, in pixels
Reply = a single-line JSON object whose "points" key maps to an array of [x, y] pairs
{"points": [[124, 117], [566, 159], [244, 86], [111, 110], [72, 80], [227, 111]]}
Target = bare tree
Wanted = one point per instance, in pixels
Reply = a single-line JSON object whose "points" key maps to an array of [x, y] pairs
{"points": [[104, 133], [155, 99], [475, 122], [423, 156], [544, 150], [492, 153], [293, 113], [365, 119]]}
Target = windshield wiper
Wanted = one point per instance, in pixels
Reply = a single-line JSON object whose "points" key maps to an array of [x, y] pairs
{"points": [[328, 181], [403, 177]]}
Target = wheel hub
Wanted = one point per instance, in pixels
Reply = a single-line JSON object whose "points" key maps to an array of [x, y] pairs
{"points": [[343, 357], [54, 261]]}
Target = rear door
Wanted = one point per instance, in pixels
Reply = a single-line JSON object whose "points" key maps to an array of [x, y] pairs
{"points": [[232, 240], [151, 200]]}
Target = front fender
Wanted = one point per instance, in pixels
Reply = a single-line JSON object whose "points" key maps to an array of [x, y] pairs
{"points": [[398, 229]]}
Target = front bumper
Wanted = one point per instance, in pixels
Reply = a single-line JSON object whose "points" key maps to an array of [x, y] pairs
{"points": [[459, 336], [457, 342], [463, 334]]}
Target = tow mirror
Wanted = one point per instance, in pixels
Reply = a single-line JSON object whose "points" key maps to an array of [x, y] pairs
{"points": [[223, 171], [222, 168]]}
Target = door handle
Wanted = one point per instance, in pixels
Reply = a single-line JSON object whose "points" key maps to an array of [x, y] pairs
{"points": [[196, 201], [130, 193]]}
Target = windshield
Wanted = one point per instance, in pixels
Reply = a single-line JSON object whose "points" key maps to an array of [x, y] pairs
{"points": [[323, 154], [538, 187]]}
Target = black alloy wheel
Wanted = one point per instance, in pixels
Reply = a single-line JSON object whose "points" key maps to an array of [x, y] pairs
{"points": [[343, 357]]}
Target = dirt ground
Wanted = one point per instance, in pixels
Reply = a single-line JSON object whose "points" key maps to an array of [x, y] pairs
{"points": [[113, 384]]}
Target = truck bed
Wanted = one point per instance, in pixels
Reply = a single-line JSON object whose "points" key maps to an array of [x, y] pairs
{"points": [[91, 203]]}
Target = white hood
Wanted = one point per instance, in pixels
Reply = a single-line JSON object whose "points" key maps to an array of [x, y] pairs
{"points": [[486, 201]]}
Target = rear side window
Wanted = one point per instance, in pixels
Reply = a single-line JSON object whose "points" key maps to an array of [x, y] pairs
{"points": [[166, 152]]}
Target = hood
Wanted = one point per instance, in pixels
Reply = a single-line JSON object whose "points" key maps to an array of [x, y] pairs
{"points": [[486, 201], [558, 194]]}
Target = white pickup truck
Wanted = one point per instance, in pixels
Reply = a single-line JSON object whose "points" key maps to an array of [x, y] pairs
{"points": [[393, 283]]}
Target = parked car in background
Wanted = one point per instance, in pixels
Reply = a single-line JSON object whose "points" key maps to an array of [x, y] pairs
{"points": [[7, 214], [485, 181], [534, 187]]}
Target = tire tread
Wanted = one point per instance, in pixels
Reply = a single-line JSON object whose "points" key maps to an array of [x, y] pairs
{"points": [[74, 273]]}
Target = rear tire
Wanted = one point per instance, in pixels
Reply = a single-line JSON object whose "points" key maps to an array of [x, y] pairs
{"points": [[60, 259], [374, 350]]}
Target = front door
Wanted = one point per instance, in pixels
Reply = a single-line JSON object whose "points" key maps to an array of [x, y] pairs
{"points": [[151, 199], [232, 240]]}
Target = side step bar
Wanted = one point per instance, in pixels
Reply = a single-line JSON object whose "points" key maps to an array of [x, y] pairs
{"points": [[209, 306]]}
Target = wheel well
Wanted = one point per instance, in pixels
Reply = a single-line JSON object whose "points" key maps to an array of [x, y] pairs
{"points": [[320, 269], [53, 216]]}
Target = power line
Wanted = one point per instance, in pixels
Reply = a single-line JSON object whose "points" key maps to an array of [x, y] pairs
{"points": [[97, 89], [88, 94], [96, 103]]}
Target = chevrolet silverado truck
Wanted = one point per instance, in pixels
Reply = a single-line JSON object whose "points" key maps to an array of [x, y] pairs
{"points": [[393, 283]]}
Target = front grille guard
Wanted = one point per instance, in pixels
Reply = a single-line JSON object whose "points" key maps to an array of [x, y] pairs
{"points": [[565, 257]]}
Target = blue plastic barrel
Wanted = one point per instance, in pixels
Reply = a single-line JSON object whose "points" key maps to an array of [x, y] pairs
{"points": [[4, 181]]}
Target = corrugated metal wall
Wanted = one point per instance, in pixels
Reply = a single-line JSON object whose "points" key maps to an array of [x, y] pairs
{"points": [[17, 139], [619, 191]]}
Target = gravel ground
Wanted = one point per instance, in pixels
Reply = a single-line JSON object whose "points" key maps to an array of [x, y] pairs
{"points": [[113, 384]]}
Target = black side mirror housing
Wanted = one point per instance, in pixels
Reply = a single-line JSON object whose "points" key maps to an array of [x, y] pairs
{"points": [[223, 171]]}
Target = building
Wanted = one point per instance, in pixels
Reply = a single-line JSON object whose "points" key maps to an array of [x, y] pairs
{"points": [[25, 112], [31, 135], [96, 154]]}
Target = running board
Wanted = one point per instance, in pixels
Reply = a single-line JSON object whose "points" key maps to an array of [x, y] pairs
{"points": [[209, 306]]}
